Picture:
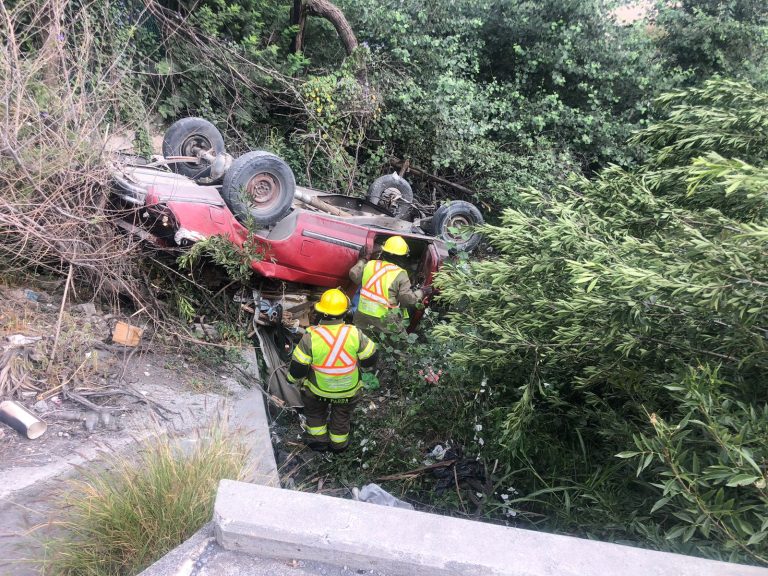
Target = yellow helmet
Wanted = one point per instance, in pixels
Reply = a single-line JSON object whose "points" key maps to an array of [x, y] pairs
{"points": [[333, 302], [395, 245]]}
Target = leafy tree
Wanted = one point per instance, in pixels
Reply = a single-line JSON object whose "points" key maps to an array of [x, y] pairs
{"points": [[574, 74], [627, 316], [503, 94], [706, 37]]}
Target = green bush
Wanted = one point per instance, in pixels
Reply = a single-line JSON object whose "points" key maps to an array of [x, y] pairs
{"points": [[627, 316]]}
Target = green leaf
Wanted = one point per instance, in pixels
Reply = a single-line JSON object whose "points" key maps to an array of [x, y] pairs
{"points": [[675, 532], [659, 504], [628, 454], [742, 480]]}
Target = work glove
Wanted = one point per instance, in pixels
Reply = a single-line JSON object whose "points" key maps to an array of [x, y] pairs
{"points": [[364, 253], [427, 291]]}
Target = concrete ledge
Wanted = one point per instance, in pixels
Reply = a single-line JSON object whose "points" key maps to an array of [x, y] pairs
{"points": [[183, 560], [271, 522], [249, 416]]}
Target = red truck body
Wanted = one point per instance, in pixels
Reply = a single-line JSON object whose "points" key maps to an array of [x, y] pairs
{"points": [[305, 247]]}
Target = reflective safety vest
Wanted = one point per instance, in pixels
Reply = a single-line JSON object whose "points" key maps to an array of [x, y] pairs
{"points": [[334, 360], [378, 276]]}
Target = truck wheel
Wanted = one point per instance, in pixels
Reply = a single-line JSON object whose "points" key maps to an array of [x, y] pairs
{"points": [[259, 188], [186, 137], [382, 193], [451, 222]]}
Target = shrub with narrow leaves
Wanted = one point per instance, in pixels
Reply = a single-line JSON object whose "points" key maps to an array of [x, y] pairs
{"points": [[628, 315]]}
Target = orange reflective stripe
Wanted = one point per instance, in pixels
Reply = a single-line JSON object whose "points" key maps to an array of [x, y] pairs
{"points": [[376, 298], [378, 273], [332, 342], [336, 353], [373, 289]]}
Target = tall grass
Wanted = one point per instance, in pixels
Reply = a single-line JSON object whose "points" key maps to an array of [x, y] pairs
{"points": [[121, 518]]}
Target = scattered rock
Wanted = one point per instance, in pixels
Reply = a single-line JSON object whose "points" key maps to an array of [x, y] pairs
{"points": [[88, 309], [41, 406], [95, 419], [206, 331], [91, 420], [37, 296]]}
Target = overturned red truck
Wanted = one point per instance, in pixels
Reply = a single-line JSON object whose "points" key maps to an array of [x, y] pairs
{"points": [[308, 240]]}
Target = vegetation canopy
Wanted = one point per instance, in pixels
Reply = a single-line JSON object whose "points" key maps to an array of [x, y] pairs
{"points": [[626, 316]]}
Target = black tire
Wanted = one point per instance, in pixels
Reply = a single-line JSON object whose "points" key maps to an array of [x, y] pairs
{"points": [[377, 193], [184, 137], [457, 214], [259, 188]]}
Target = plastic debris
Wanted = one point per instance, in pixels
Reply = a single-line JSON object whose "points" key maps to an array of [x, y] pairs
{"points": [[375, 494], [22, 420], [22, 340], [438, 452]]}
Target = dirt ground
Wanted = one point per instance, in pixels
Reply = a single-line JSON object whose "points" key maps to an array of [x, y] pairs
{"points": [[125, 389], [151, 389]]}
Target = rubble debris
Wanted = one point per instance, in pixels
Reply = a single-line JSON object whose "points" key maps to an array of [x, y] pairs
{"points": [[206, 332], [375, 494], [277, 382], [17, 340], [22, 294], [22, 420], [437, 454], [15, 360], [41, 407], [87, 309], [126, 334]]}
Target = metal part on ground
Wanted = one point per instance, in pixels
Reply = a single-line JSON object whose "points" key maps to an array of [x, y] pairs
{"points": [[276, 381], [21, 419], [319, 204]]}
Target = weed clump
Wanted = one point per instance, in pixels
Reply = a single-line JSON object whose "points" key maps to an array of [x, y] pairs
{"points": [[119, 519]]}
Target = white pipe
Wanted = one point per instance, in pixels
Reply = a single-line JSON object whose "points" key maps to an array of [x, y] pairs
{"points": [[21, 419]]}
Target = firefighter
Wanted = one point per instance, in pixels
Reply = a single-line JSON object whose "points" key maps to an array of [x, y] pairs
{"points": [[327, 361], [385, 289]]}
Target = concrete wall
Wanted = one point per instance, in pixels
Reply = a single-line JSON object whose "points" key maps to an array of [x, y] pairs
{"points": [[270, 522], [248, 415]]}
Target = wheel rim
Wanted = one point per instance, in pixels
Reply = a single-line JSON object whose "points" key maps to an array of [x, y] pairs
{"points": [[192, 145], [390, 198], [263, 190], [457, 222]]}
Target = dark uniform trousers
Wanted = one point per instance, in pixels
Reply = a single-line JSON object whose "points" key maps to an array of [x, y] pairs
{"points": [[316, 412]]}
